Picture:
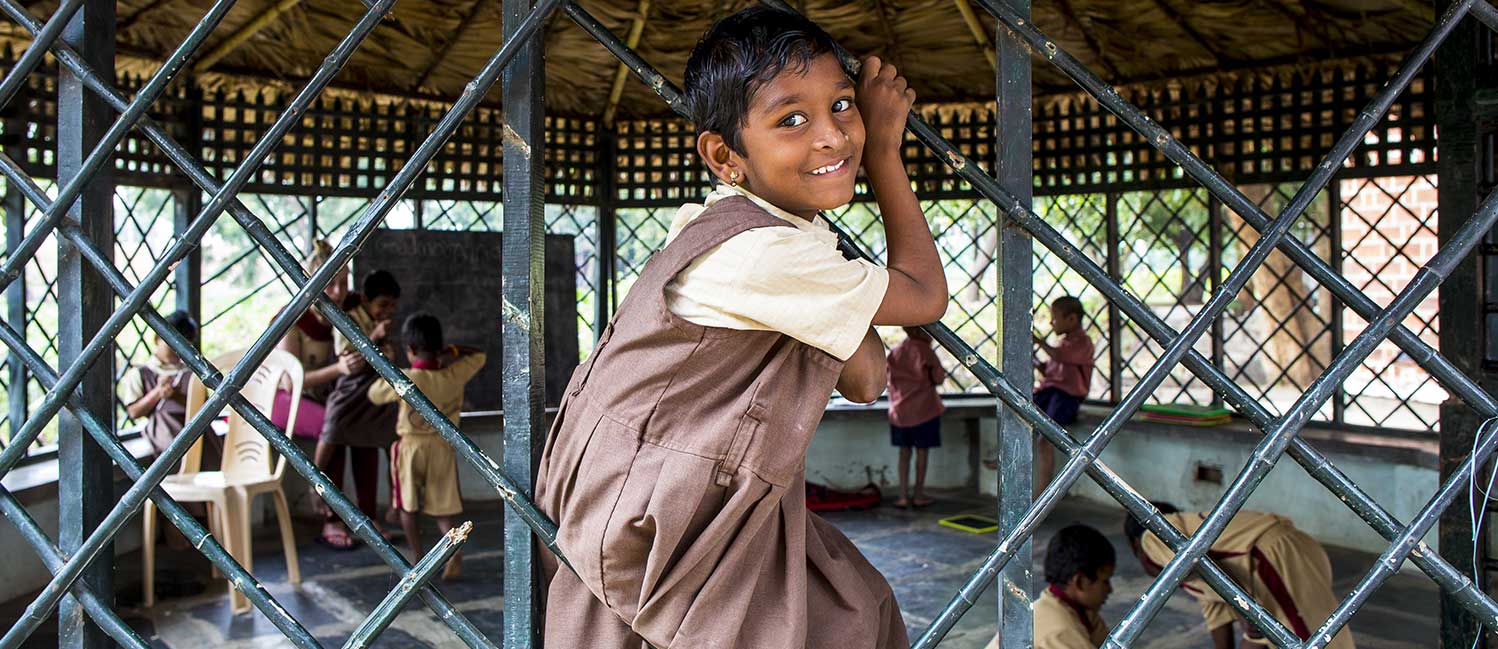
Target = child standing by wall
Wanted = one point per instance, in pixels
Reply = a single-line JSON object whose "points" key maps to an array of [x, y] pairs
{"points": [[1079, 564], [915, 409], [423, 466], [676, 466], [1282, 567]]}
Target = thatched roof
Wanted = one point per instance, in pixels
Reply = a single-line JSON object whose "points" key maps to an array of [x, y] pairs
{"points": [[431, 47]]}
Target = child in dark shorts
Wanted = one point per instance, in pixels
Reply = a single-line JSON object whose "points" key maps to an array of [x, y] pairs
{"points": [[1065, 377], [914, 409]]}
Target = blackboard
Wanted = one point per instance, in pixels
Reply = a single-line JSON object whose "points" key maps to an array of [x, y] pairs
{"points": [[456, 277]]}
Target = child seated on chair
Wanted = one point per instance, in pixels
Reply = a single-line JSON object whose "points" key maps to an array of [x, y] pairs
{"points": [[423, 466], [156, 390], [675, 468], [1079, 564]]}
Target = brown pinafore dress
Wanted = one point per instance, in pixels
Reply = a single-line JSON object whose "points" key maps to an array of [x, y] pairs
{"points": [[675, 471], [169, 417]]}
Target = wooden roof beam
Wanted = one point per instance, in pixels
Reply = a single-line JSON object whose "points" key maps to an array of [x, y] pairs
{"points": [[1421, 8], [1191, 34], [125, 23], [980, 35], [621, 73], [1064, 8], [243, 34], [1302, 19], [889, 36], [439, 56]]}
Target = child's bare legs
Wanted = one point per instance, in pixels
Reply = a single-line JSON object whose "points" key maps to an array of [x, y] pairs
{"points": [[454, 567], [903, 470], [1045, 464], [329, 459], [920, 499], [412, 528]]}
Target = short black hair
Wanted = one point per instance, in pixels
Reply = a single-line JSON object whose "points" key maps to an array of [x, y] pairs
{"points": [[423, 332], [184, 324], [737, 56], [1068, 305], [1077, 550], [1135, 529], [379, 284]]}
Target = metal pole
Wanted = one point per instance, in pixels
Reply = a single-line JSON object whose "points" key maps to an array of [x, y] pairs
{"points": [[420, 574], [187, 201], [15, 303], [1334, 257], [1014, 169], [1458, 77], [605, 249], [85, 490], [524, 363], [1115, 320], [1214, 280]]}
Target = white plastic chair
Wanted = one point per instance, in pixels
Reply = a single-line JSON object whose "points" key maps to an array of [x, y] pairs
{"points": [[248, 470]]}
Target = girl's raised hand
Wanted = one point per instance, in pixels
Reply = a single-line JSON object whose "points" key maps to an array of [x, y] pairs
{"points": [[884, 99]]}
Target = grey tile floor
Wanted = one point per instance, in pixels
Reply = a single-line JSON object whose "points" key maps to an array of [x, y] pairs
{"points": [[923, 561]]}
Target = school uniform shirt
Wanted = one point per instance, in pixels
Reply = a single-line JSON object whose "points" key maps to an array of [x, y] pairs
{"points": [[914, 373], [675, 470], [169, 416], [790, 280], [443, 385], [1069, 368], [361, 317], [1060, 625], [423, 467], [1281, 567]]}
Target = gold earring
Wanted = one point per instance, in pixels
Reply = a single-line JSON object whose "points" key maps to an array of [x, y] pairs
{"points": [[733, 179]]}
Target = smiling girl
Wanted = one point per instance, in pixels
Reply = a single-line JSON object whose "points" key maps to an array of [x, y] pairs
{"points": [[675, 468]]}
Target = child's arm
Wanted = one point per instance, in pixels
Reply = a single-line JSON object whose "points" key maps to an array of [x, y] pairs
{"points": [[147, 402], [917, 292], [864, 374]]}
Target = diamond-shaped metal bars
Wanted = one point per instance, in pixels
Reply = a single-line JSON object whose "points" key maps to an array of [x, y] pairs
{"points": [[188, 239], [104, 151], [302, 301], [1273, 351], [1274, 444], [1389, 227], [1005, 391], [401, 594], [102, 433], [360, 525], [1272, 236], [1449, 376], [1464, 591], [194, 531]]}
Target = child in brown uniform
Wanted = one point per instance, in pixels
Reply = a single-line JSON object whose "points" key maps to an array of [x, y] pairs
{"points": [[156, 390], [350, 419], [676, 466], [1079, 564], [423, 467], [1282, 567]]}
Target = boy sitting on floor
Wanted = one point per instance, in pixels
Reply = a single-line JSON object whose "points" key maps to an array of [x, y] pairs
{"points": [[1079, 563], [424, 468]]}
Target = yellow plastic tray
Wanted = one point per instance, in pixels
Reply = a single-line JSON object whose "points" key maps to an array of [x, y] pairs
{"points": [[971, 523]]}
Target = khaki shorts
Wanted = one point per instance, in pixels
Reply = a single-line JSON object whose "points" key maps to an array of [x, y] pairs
{"points": [[425, 471]]}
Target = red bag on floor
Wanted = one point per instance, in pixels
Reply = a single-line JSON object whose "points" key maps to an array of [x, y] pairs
{"points": [[821, 498]]}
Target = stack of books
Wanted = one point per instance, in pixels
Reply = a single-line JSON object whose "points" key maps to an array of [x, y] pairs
{"points": [[1185, 414]]}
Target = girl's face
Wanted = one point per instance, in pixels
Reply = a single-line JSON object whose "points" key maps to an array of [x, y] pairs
{"points": [[803, 138]]}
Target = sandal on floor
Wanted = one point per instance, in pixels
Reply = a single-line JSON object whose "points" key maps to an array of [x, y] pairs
{"points": [[340, 541]]}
